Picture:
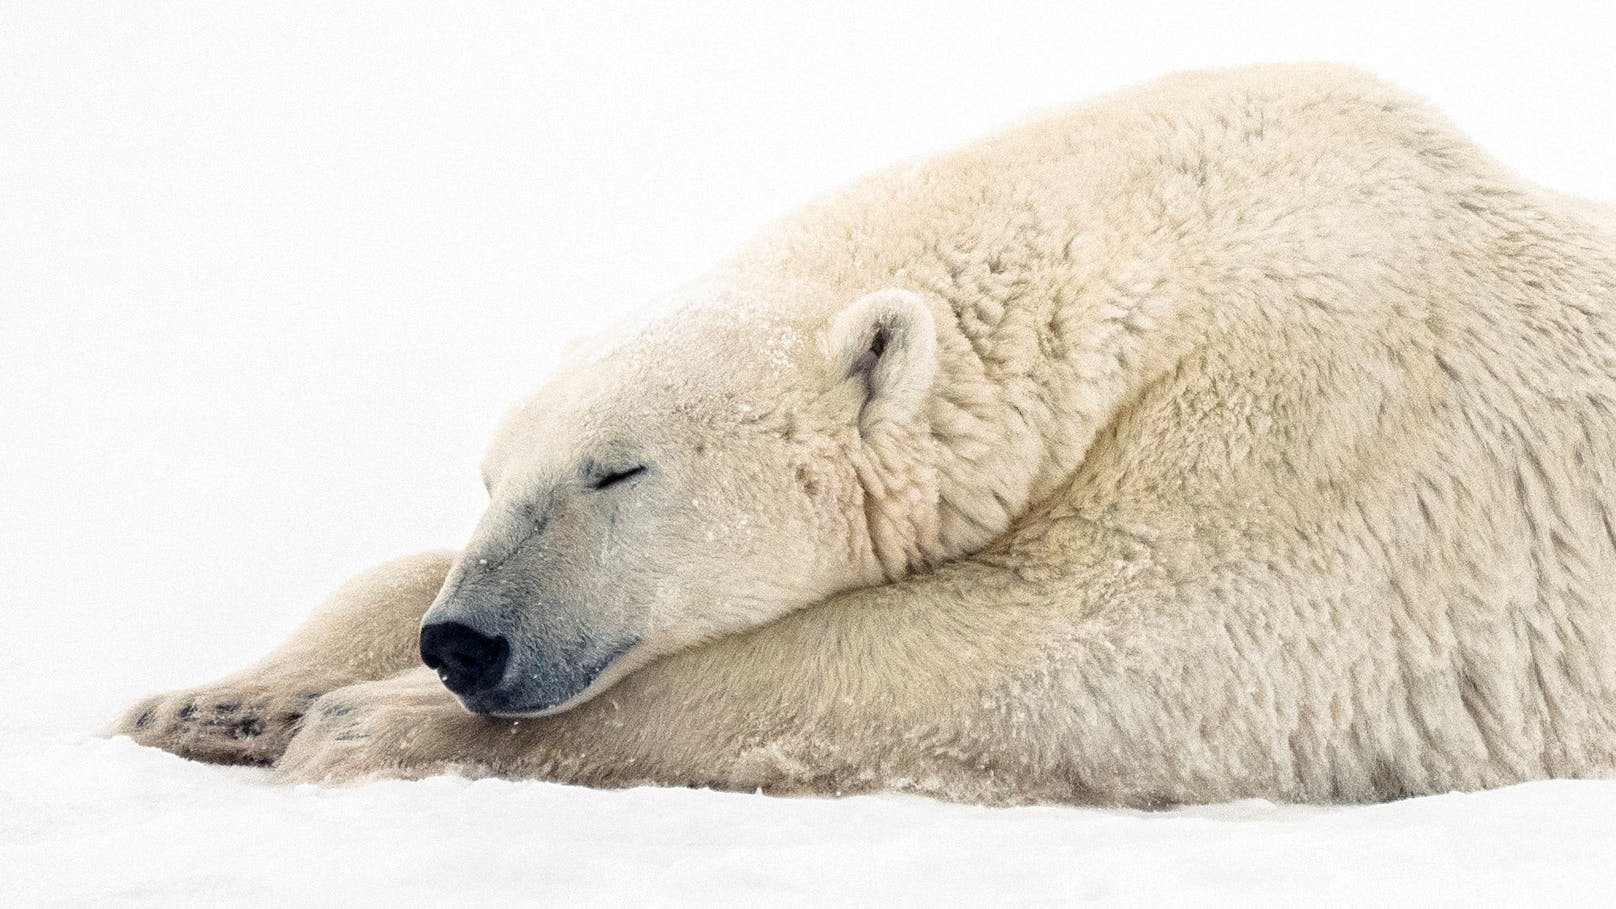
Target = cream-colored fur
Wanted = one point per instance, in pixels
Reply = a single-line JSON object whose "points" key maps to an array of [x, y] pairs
{"points": [[1248, 433]]}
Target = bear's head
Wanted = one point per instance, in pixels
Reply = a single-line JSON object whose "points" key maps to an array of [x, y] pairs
{"points": [[699, 477]]}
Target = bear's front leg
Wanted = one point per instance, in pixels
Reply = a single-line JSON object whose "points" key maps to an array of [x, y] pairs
{"points": [[366, 630]]}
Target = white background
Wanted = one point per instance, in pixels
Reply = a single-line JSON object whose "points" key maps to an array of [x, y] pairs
{"points": [[269, 274]]}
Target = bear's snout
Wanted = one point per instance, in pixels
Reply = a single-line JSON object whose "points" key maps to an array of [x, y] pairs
{"points": [[468, 661]]}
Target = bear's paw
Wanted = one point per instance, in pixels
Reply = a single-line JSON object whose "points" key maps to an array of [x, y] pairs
{"points": [[247, 722]]}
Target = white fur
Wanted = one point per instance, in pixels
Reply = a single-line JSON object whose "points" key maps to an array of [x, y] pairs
{"points": [[1261, 445]]}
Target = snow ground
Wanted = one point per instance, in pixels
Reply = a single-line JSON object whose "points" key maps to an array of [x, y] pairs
{"points": [[268, 275]]}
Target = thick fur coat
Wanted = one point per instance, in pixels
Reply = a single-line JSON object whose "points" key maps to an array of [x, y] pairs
{"points": [[1245, 434]]}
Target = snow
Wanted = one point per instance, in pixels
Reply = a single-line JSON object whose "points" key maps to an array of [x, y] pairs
{"points": [[106, 820], [269, 275]]}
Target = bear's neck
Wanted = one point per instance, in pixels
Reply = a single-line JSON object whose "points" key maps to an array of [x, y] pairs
{"points": [[1017, 403], [1023, 387]]}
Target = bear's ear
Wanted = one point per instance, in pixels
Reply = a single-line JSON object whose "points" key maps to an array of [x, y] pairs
{"points": [[887, 343]]}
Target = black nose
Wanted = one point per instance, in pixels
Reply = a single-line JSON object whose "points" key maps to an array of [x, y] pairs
{"points": [[468, 661]]}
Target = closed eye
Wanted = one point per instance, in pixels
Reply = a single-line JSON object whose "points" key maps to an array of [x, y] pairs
{"points": [[607, 480]]}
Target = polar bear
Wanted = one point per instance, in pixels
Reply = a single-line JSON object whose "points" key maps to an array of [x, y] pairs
{"points": [[1244, 434]]}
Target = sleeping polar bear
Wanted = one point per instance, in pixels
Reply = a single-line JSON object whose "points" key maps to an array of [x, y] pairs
{"points": [[1248, 433]]}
